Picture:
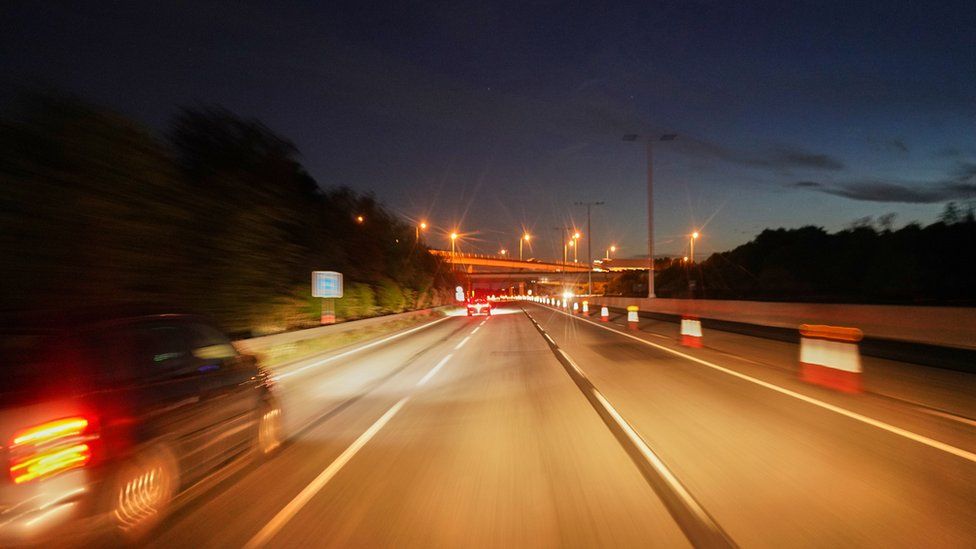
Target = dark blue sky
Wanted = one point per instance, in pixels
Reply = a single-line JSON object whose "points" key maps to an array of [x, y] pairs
{"points": [[495, 117]]}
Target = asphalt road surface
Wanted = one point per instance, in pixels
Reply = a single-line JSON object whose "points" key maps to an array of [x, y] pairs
{"points": [[538, 429]]}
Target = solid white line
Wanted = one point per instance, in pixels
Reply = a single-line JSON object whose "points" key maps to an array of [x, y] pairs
{"points": [[947, 415], [463, 341], [970, 456], [358, 349], [433, 371], [294, 506]]}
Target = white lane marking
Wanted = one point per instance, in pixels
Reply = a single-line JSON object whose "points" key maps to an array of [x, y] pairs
{"points": [[358, 349], [294, 506], [947, 415], [463, 341], [433, 371], [476, 328], [922, 439]]}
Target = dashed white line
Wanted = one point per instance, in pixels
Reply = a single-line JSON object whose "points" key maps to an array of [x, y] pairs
{"points": [[922, 439], [463, 341], [433, 371], [475, 329], [294, 506]]}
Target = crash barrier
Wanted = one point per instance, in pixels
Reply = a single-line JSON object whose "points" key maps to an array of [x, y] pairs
{"points": [[575, 307], [691, 332], [604, 314], [262, 344], [829, 356], [586, 308]]}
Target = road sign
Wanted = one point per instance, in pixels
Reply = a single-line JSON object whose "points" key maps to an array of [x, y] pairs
{"points": [[326, 284]]}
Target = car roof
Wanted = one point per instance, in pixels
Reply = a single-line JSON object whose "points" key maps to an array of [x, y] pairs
{"points": [[78, 318]]}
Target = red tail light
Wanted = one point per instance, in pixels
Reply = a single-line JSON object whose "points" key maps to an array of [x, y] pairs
{"points": [[50, 448]]}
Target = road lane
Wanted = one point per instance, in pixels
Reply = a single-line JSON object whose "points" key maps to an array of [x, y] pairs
{"points": [[498, 449], [327, 408], [773, 470]]}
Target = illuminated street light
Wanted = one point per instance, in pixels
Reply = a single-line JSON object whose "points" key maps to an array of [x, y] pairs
{"points": [[503, 251], [576, 237], [360, 219], [525, 238], [610, 250], [454, 237], [694, 237], [421, 227]]}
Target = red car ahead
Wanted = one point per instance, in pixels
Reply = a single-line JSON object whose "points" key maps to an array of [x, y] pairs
{"points": [[479, 306]]}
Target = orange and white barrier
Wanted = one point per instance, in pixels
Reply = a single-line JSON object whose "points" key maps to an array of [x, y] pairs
{"points": [[586, 308], [691, 332], [632, 317], [604, 313], [829, 356], [575, 307]]}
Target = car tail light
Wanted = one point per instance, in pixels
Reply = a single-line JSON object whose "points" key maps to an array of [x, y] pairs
{"points": [[51, 448]]}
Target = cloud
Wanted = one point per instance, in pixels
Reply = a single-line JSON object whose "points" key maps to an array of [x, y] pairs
{"points": [[776, 158], [960, 184], [898, 144]]}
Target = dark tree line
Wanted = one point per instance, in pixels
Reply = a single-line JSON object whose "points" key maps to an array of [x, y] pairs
{"points": [[218, 215], [863, 263]]}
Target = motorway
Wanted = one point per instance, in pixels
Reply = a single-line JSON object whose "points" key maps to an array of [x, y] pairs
{"points": [[536, 429]]}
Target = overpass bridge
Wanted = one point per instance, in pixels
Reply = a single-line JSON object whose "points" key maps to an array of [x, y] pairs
{"points": [[500, 273], [499, 262]]}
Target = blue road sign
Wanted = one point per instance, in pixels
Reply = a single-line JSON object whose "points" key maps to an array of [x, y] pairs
{"points": [[326, 284]]}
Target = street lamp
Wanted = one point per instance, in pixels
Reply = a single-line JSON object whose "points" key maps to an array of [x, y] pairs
{"points": [[360, 219], [574, 244], [650, 201], [421, 227], [525, 238], [610, 250], [504, 251], [694, 237], [454, 237], [589, 245]]}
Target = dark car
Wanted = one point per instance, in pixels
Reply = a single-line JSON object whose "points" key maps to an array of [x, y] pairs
{"points": [[106, 421], [479, 306]]}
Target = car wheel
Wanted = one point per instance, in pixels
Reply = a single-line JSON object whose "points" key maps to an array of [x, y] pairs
{"points": [[470, 313], [141, 494], [269, 437]]}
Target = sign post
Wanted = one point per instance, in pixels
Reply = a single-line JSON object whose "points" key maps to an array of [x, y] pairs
{"points": [[328, 286]]}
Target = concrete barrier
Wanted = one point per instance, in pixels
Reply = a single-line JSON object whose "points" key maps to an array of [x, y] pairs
{"points": [[940, 326], [829, 356], [263, 343]]}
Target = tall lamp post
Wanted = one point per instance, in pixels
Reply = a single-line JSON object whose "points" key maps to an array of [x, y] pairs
{"points": [[420, 227], [610, 250], [589, 247], [650, 201], [694, 237], [575, 244], [525, 238]]}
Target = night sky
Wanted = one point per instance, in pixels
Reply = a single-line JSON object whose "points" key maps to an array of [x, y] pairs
{"points": [[496, 117]]}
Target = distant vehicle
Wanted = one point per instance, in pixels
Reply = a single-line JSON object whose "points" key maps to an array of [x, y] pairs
{"points": [[105, 421], [479, 306]]}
